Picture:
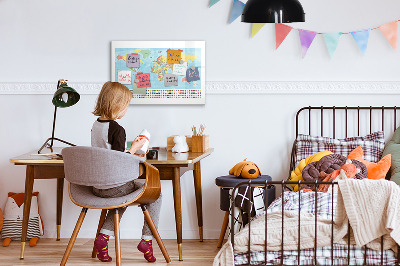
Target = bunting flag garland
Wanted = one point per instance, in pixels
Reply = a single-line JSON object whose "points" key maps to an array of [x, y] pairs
{"points": [[213, 2], [237, 9], [389, 30], [281, 31], [256, 27], [332, 41], [361, 37], [306, 39]]}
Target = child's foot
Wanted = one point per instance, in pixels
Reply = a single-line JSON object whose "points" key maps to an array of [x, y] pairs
{"points": [[146, 247], [101, 245]]}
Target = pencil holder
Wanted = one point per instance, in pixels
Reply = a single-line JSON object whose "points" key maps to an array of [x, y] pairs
{"points": [[200, 143]]}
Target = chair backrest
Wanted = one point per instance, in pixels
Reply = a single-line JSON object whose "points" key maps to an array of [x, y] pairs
{"points": [[92, 166]]}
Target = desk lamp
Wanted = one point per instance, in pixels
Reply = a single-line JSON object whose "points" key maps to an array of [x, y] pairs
{"points": [[273, 11], [64, 96]]}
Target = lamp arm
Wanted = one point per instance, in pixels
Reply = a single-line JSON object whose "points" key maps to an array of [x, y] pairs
{"points": [[54, 119], [54, 126]]}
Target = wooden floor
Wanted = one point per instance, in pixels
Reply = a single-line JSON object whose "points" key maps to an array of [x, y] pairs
{"points": [[50, 252]]}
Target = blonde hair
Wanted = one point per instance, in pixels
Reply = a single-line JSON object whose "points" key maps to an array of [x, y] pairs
{"points": [[112, 99]]}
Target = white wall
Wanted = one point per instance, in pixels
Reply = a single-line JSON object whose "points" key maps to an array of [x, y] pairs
{"points": [[47, 40]]}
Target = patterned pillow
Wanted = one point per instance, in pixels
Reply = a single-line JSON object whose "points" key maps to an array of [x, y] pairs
{"points": [[372, 144]]}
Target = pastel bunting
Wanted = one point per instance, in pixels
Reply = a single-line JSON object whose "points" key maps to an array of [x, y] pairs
{"points": [[361, 37], [256, 27], [332, 41], [306, 39], [213, 2], [389, 30], [281, 31], [237, 8]]}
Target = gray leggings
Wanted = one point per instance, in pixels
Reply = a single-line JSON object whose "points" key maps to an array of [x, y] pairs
{"points": [[154, 208]]}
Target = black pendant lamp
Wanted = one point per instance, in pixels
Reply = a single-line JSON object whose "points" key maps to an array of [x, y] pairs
{"points": [[273, 11]]}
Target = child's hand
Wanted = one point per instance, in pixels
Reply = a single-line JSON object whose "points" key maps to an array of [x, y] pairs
{"points": [[143, 155], [137, 144]]}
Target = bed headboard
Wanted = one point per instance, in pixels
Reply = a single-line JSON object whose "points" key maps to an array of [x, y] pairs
{"points": [[344, 121]]}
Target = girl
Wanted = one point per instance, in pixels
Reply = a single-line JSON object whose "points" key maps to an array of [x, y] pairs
{"points": [[112, 103]]}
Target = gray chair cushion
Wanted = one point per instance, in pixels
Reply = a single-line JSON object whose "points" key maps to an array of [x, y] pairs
{"points": [[84, 196], [99, 167]]}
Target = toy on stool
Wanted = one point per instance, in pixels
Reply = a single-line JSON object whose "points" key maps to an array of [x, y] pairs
{"points": [[245, 169], [13, 215]]}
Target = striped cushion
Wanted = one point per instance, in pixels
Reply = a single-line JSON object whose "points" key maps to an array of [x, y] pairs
{"points": [[13, 228], [372, 145]]}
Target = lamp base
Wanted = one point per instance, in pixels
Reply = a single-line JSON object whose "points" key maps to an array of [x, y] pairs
{"points": [[50, 146]]}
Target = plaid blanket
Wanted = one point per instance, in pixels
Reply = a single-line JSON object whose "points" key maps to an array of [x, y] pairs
{"points": [[324, 257], [323, 205]]}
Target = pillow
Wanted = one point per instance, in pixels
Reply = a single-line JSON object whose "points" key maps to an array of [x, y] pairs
{"points": [[393, 148], [375, 170], [372, 144]]}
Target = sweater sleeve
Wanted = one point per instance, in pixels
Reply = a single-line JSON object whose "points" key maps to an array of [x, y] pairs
{"points": [[116, 137]]}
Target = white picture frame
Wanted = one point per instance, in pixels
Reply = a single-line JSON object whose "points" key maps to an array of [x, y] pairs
{"points": [[155, 62]]}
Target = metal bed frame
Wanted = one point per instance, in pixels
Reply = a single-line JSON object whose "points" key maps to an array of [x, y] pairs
{"points": [[283, 184]]}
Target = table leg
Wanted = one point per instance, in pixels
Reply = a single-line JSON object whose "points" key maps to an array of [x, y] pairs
{"points": [[176, 183], [27, 206], [199, 204], [60, 190]]}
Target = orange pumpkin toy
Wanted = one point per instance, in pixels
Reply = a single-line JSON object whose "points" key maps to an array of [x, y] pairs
{"points": [[348, 170], [245, 169]]}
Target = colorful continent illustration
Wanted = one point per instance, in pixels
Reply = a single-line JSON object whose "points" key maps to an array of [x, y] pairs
{"points": [[160, 67]]}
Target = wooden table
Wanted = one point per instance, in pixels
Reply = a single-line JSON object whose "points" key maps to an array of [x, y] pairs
{"points": [[170, 165]]}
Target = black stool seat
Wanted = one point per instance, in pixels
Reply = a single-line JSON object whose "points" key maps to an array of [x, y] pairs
{"points": [[226, 183], [230, 181]]}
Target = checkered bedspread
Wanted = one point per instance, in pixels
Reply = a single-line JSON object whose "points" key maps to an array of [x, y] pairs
{"points": [[307, 202]]}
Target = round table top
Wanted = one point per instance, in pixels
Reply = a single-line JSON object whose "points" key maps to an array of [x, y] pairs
{"points": [[230, 181]]}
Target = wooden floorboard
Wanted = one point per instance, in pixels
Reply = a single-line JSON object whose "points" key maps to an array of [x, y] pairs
{"points": [[50, 252]]}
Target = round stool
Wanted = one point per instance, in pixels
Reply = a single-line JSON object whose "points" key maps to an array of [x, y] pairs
{"points": [[226, 183]]}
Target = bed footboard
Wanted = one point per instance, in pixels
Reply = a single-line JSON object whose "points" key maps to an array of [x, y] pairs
{"points": [[310, 254]]}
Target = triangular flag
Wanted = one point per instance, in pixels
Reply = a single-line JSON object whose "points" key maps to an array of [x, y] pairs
{"points": [[256, 28], [332, 41], [281, 31], [361, 37], [390, 32], [306, 39], [213, 2], [237, 9]]}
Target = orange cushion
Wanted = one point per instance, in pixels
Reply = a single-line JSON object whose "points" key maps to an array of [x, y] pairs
{"points": [[375, 170]]}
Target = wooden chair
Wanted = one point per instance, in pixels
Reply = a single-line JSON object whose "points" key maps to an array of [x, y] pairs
{"points": [[85, 167]]}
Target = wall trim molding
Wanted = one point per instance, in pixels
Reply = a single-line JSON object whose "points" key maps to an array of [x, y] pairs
{"points": [[231, 87]]}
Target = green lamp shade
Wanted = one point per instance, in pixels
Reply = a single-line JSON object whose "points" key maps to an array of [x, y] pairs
{"points": [[65, 96]]}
